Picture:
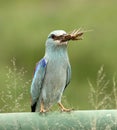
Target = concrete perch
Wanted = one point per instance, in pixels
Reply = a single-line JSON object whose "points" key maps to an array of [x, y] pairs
{"points": [[75, 120]]}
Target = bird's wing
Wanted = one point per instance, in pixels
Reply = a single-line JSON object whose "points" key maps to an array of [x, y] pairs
{"points": [[68, 77], [38, 78]]}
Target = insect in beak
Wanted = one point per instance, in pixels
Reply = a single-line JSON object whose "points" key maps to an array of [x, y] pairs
{"points": [[74, 35]]}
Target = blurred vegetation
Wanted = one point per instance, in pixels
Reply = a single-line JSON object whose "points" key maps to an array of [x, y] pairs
{"points": [[25, 25]]}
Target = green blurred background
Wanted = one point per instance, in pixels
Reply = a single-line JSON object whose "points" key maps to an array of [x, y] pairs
{"points": [[25, 25]]}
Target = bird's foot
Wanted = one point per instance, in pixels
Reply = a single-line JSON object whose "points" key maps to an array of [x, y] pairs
{"points": [[63, 109], [66, 110], [42, 111]]}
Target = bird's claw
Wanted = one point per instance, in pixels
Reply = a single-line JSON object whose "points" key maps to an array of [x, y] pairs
{"points": [[63, 109], [66, 110], [43, 111]]}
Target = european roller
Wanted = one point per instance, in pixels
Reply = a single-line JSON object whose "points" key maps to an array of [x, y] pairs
{"points": [[53, 72]]}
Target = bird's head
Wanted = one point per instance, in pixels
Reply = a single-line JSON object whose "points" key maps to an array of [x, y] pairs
{"points": [[54, 38], [61, 38]]}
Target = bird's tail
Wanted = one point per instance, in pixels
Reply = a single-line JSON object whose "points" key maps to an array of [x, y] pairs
{"points": [[33, 107]]}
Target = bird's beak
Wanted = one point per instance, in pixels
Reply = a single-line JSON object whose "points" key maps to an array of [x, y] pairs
{"points": [[75, 35]]}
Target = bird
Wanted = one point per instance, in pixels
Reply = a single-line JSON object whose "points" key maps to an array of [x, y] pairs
{"points": [[53, 72]]}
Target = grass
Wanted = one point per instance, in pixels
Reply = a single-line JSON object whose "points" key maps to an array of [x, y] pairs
{"points": [[15, 95], [99, 97], [114, 93]]}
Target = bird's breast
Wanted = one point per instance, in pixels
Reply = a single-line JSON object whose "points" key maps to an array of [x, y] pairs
{"points": [[55, 79], [56, 72]]}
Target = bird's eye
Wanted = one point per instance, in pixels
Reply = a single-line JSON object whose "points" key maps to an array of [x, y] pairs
{"points": [[53, 36]]}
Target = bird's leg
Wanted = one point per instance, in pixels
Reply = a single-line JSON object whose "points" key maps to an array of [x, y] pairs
{"points": [[42, 110], [63, 108]]}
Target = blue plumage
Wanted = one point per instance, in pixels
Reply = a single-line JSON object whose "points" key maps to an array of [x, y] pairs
{"points": [[52, 75], [38, 80]]}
